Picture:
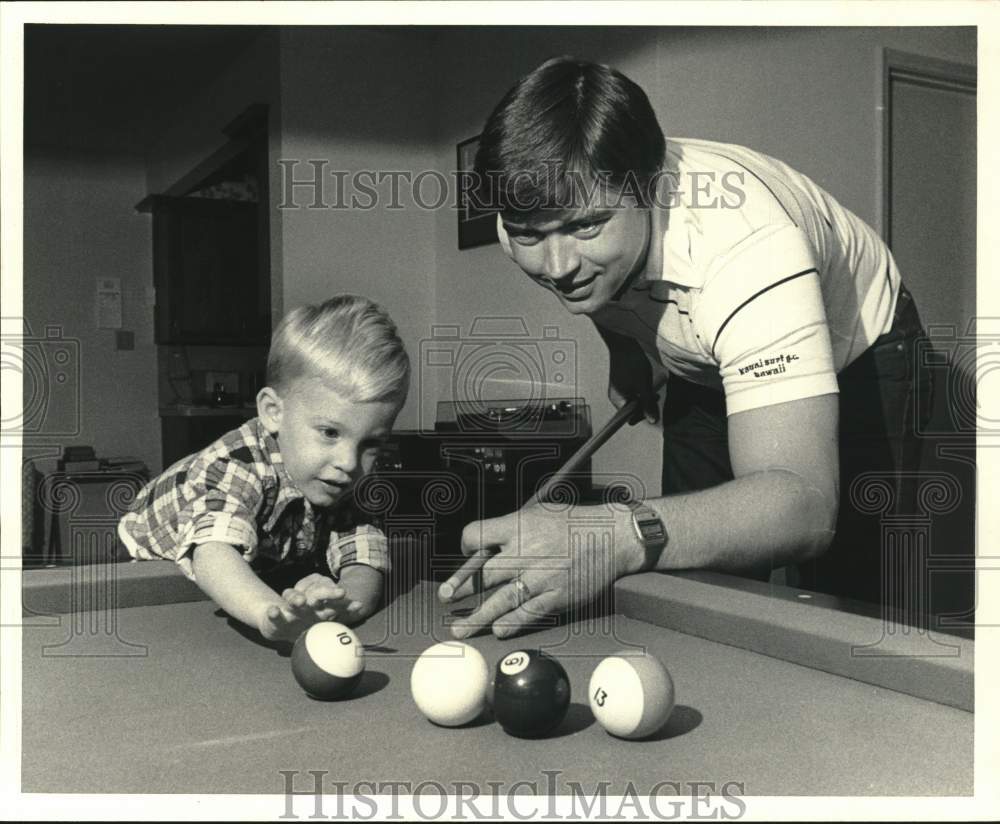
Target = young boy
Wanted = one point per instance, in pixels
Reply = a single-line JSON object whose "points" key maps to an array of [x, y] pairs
{"points": [[275, 495]]}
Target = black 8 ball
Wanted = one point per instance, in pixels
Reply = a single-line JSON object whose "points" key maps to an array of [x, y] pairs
{"points": [[530, 693]]}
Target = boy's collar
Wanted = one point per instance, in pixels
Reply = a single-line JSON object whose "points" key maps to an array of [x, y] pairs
{"points": [[287, 490], [271, 448]]}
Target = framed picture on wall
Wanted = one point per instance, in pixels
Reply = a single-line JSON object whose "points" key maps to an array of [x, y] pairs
{"points": [[476, 227]]}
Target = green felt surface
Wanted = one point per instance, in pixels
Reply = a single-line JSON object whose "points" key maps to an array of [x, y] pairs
{"points": [[173, 698]]}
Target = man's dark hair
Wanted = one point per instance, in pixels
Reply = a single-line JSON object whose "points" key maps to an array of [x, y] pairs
{"points": [[565, 127]]}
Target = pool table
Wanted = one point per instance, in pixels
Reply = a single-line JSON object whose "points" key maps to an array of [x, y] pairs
{"points": [[134, 683]]}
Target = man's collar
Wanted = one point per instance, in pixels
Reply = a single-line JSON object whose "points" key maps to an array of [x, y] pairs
{"points": [[668, 261], [649, 268]]}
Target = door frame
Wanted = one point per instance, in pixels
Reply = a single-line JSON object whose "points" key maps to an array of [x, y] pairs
{"points": [[930, 72]]}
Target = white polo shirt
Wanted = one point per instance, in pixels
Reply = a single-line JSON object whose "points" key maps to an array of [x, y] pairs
{"points": [[763, 286]]}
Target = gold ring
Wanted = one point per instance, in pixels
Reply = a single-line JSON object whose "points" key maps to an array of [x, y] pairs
{"points": [[521, 591]]}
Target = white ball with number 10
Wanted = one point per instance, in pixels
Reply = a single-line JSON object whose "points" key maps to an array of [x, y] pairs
{"points": [[449, 682], [631, 694]]}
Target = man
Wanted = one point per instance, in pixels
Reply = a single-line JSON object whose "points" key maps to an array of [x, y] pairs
{"points": [[779, 315]]}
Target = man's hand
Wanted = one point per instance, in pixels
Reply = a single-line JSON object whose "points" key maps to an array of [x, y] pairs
{"points": [[529, 546]]}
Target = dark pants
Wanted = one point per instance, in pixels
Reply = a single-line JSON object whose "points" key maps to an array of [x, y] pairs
{"points": [[878, 434]]}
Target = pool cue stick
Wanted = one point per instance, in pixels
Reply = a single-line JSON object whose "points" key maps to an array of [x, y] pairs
{"points": [[592, 444]]}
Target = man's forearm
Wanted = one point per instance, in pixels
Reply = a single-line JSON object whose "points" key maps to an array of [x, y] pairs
{"points": [[766, 519]]}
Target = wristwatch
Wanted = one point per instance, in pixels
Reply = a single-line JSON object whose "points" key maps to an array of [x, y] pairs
{"points": [[650, 531]]}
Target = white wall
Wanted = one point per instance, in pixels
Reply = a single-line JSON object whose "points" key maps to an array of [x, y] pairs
{"points": [[80, 224], [361, 100]]}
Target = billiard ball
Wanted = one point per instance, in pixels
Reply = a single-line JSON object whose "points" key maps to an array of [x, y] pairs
{"points": [[448, 683], [328, 661], [631, 694], [530, 693]]}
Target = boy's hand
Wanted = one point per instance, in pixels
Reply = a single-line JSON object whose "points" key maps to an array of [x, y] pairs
{"points": [[364, 586], [229, 581], [312, 600], [326, 597], [287, 619]]}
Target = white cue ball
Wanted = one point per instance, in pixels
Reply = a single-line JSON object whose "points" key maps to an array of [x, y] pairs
{"points": [[631, 694], [449, 682]]}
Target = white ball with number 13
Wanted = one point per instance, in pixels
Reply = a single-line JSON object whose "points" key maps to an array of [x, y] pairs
{"points": [[631, 694]]}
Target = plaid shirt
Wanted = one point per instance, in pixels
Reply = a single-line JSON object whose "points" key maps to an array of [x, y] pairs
{"points": [[237, 491]]}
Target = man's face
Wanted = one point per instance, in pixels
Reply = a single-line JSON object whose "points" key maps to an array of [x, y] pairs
{"points": [[585, 258], [327, 443]]}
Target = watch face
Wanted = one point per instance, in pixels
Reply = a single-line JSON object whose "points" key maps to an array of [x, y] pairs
{"points": [[648, 526]]}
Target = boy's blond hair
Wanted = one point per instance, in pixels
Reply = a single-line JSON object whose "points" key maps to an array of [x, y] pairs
{"points": [[349, 341]]}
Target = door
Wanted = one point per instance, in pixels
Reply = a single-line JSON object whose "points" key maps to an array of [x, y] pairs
{"points": [[930, 225]]}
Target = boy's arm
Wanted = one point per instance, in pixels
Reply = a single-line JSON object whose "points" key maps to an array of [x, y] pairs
{"points": [[363, 584], [223, 574]]}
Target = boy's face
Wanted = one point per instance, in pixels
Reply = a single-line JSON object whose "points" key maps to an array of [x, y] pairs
{"points": [[584, 259], [327, 443]]}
